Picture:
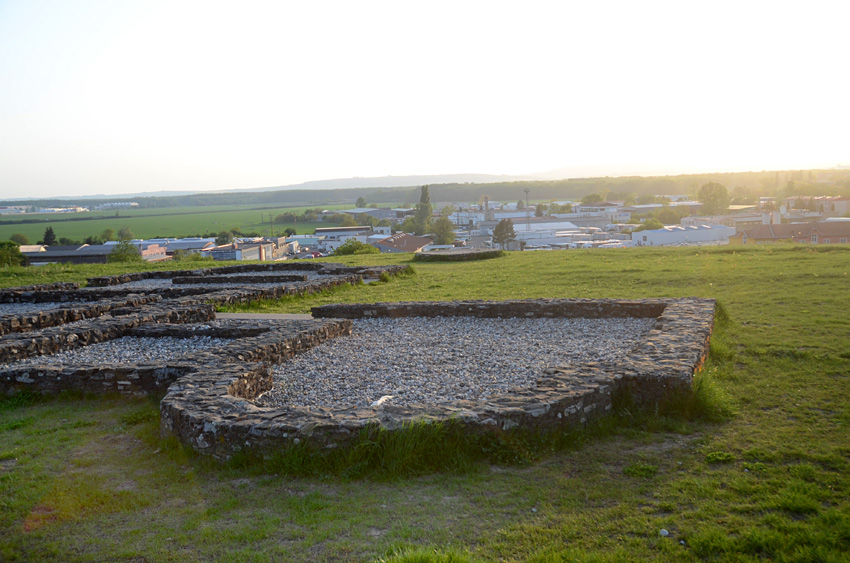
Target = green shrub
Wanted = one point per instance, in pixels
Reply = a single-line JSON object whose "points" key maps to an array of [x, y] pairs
{"points": [[353, 246], [186, 256], [124, 251], [10, 254]]}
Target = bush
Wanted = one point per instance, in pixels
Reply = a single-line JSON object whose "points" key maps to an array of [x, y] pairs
{"points": [[352, 246], [10, 254], [186, 256], [124, 251]]}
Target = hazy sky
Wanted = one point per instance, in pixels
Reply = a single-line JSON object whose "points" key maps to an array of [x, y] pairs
{"points": [[121, 96]]}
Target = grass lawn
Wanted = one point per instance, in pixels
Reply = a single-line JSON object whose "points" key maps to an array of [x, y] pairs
{"points": [[88, 479], [156, 222]]}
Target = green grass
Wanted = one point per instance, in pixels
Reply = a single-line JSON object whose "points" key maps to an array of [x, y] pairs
{"points": [[753, 466], [149, 223], [79, 273]]}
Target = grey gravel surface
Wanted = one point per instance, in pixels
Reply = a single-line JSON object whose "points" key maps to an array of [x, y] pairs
{"points": [[165, 283], [444, 359], [127, 350], [12, 309], [142, 284], [311, 274]]}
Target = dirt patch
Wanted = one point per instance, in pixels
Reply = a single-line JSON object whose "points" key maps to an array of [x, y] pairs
{"points": [[39, 516]]}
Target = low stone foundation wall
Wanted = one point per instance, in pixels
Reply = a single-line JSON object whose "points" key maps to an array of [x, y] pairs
{"points": [[71, 313], [273, 278], [457, 255], [322, 268], [106, 281], [19, 346], [214, 412], [41, 293], [534, 308], [209, 394], [254, 345]]}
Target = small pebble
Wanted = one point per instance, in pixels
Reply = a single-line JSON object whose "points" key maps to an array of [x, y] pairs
{"points": [[663, 533]]}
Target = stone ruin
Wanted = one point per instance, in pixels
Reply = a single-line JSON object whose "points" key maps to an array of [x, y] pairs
{"points": [[209, 394]]}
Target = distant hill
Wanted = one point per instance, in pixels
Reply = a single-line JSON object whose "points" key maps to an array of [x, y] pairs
{"points": [[334, 184], [562, 183], [396, 181]]}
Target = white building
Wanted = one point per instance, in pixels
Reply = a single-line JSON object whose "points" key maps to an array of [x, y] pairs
{"points": [[678, 235]]}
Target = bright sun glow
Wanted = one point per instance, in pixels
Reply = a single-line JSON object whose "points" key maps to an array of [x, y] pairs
{"points": [[112, 97]]}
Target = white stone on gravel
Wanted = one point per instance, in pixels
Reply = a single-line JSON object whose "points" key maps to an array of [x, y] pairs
{"points": [[444, 359], [126, 350]]}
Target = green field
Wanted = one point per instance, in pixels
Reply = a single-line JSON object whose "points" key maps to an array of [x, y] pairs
{"points": [[765, 478], [156, 222]]}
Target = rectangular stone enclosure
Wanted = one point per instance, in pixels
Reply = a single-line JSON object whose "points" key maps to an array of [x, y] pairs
{"points": [[215, 413]]}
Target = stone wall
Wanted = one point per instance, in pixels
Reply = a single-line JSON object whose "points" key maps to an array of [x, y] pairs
{"points": [[329, 268], [71, 313], [19, 346], [535, 308], [269, 278], [106, 311], [255, 344], [209, 394], [216, 416], [37, 293]]}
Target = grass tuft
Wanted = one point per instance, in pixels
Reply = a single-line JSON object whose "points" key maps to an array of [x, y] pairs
{"points": [[147, 414], [640, 469], [719, 457], [20, 400]]}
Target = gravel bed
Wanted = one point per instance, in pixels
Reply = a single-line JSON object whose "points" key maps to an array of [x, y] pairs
{"points": [[311, 274], [141, 284], [444, 359], [12, 309], [126, 350], [166, 284]]}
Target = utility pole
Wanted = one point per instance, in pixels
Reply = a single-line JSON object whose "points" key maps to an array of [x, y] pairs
{"points": [[527, 211]]}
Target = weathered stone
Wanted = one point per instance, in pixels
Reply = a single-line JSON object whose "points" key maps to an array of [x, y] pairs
{"points": [[209, 394]]}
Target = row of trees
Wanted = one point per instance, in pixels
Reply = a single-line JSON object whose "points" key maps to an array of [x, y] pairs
{"points": [[10, 254], [49, 237]]}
